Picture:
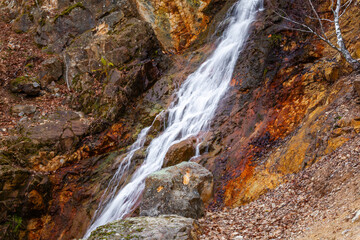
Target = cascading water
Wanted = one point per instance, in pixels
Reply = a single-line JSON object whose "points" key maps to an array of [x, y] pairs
{"points": [[191, 113]]}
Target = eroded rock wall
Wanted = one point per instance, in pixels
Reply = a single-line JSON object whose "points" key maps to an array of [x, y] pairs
{"points": [[177, 23], [288, 106]]}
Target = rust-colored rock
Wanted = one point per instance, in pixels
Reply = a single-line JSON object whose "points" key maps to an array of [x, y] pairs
{"points": [[180, 152], [36, 200], [176, 23]]}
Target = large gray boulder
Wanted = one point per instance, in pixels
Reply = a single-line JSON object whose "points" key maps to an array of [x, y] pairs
{"points": [[183, 190], [160, 228]]}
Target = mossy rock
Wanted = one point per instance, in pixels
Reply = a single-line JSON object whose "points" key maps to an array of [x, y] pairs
{"points": [[161, 228], [25, 84], [68, 10]]}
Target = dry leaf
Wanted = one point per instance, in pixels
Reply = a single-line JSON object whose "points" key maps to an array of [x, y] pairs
{"points": [[159, 189], [186, 178]]}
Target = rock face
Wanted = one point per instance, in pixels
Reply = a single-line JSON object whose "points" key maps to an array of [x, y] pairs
{"points": [[282, 112], [183, 190], [177, 23], [163, 228], [357, 86], [20, 191], [125, 62]]}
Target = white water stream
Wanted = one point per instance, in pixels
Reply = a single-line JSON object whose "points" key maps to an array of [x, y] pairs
{"points": [[191, 113]]}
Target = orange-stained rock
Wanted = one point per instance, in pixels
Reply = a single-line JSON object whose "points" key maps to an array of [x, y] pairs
{"points": [[180, 152], [177, 23], [281, 115], [36, 199], [332, 73], [357, 50]]}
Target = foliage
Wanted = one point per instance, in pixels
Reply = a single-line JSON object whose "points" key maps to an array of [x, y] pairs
{"points": [[15, 224], [106, 67]]}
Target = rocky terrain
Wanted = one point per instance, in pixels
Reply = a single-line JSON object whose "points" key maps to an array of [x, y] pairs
{"points": [[321, 202], [80, 79]]}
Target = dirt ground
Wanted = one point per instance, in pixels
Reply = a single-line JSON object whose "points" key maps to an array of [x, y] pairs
{"points": [[20, 56]]}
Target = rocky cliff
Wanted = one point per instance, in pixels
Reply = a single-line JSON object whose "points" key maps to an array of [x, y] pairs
{"points": [[80, 79]]}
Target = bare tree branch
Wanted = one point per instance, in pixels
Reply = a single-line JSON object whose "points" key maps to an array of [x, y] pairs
{"points": [[338, 11]]}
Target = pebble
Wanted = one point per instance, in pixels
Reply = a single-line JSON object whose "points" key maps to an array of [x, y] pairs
{"points": [[238, 238], [356, 217]]}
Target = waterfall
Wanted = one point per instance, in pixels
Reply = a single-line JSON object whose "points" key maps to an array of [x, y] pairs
{"points": [[190, 113]]}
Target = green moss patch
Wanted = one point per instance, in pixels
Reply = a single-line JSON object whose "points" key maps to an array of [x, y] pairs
{"points": [[68, 10]]}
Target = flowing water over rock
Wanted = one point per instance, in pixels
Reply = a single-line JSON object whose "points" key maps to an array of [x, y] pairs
{"points": [[189, 115]]}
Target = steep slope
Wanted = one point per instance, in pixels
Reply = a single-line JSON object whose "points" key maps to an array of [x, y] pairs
{"points": [[319, 202]]}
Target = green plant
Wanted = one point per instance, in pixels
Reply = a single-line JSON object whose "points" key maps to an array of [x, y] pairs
{"points": [[106, 67], [15, 223], [274, 39]]}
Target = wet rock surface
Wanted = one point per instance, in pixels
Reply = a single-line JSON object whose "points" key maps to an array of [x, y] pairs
{"points": [[268, 124], [180, 152], [162, 227], [183, 189]]}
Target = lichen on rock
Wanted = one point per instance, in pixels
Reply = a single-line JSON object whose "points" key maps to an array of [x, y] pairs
{"points": [[183, 189], [163, 228]]}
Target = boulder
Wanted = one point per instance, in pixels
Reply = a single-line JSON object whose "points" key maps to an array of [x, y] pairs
{"points": [[180, 152], [62, 127], [58, 132], [25, 84], [51, 71], [183, 190], [23, 23], [23, 109], [161, 228]]}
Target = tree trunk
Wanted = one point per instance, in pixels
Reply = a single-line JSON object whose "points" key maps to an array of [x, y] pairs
{"points": [[340, 41]]}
